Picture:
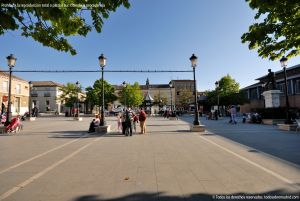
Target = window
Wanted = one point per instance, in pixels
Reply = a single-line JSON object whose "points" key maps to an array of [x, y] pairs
{"points": [[47, 94], [18, 89], [34, 94], [281, 87], [47, 105], [5, 86], [297, 86], [253, 93]]}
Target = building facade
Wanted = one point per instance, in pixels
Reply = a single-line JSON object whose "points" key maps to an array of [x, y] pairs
{"points": [[19, 93], [184, 94], [181, 93], [254, 92], [45, 96]]}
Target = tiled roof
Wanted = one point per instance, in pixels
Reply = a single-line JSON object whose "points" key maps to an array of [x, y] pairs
{"points": [[182, 80], [144, 87], [252, 86], [45, 84], [280, 71]]}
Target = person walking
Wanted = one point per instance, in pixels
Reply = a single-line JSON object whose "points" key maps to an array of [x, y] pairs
{"points": [[233, 114], [135, 121], [142, 119], [119, 121], [128, 121]]}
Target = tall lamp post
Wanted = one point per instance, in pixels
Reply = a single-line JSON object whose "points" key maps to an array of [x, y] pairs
{"points": [[218, 96], [102, 62], [193, 60], [171, 85], [283, 62], [11, 61], [125, 94], [78, 88], [30, 101]]}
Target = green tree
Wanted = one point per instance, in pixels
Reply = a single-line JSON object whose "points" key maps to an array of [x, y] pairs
{"points": [[278, 32], [94, 94], [69, 94], [131, 95], [186, 97], [51, 24], [160, 100], [228, 92]]}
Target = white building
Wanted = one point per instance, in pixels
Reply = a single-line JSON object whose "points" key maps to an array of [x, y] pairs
{"points": [[45, 96]]}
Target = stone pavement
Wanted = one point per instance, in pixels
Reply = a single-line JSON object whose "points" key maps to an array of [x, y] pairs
{"points": [[55, 159]]}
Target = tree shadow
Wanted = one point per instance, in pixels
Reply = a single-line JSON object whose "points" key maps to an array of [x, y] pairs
{"points": [[73, 134], [143, 196], [262, 138], [161, 125]]}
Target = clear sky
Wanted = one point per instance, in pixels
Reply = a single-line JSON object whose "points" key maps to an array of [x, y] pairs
{"points": [[153, 35]]}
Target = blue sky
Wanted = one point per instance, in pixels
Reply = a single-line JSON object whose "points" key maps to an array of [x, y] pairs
{"points": [[153, 35]]}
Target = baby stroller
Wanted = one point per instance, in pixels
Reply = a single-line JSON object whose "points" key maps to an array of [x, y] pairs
{"points": [[14, 126]]}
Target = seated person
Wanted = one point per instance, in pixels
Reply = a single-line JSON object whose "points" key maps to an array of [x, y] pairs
{"points": [[97, 121], [92, 126]]}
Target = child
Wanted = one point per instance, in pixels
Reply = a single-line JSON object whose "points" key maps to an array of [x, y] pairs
{"points": [[119, 119]]}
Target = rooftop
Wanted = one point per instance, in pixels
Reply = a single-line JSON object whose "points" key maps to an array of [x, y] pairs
{"points": [[45, 84]]}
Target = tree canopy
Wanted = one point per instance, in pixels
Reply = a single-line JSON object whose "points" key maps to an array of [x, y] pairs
{"points": [[278, 32], [51, 24], [186, 97], [131, 95], [69, 94], [228, 92], [94, 94]]}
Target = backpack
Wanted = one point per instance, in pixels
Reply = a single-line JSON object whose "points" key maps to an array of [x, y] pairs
{"points": [[135, 118], [127, 116]]}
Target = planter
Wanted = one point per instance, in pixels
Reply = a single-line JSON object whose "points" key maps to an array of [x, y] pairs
{"points": [[273, 121], [197, 128], [31, 118], [287, 127], [102, 129], [77, 118]]}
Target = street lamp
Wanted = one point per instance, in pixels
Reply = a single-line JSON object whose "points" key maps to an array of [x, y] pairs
{"points": [[30, 101], [283, 62], [125, 95], [78, 88], [11, 61], [171, 85], [218, 97], [193, 60], [102, 62]]}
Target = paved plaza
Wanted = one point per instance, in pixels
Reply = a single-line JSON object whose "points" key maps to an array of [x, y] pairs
{"points": [[55, 159]]}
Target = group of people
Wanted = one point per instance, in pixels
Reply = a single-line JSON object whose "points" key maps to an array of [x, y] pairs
{"points": [[127, 121]]}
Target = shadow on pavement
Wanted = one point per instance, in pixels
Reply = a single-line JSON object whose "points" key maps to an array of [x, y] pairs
{"points": [[166, 125], [73, 134], [195, 197], [259, 137]]}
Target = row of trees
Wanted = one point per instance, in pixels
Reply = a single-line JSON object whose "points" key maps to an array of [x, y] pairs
{"points": [[131, 95]]}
